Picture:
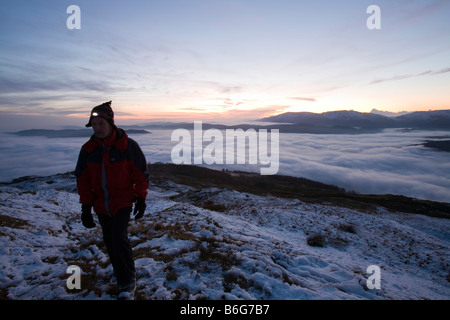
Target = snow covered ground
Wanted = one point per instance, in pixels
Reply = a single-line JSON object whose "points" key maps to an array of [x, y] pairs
{"points": [[211, 243]]}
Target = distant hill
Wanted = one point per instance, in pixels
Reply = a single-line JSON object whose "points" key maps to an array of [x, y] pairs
{"points": [[292, 188], [334, 122], [67, 133], [442, 145], [426, 120], [359, 122]]}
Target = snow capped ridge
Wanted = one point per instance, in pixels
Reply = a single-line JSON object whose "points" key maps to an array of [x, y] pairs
{"points": [[209, 241]]}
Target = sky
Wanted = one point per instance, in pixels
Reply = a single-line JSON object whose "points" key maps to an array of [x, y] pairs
{"points": [[186, 60]]}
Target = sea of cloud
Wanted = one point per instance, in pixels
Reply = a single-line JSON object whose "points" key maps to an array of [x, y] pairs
{"points": [[391, 162]]}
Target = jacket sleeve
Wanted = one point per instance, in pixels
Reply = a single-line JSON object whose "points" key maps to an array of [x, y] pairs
{"points": [[139, 170], [83, 176]]}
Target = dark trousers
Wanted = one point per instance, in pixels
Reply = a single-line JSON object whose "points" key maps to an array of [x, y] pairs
{"points": [[115, 236]]}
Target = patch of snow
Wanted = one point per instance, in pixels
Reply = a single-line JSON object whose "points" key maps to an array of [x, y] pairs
{"points": [[217, 243]]}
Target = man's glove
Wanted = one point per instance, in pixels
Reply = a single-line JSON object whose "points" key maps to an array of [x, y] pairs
{"points": [[86, 216], [139, 208]]}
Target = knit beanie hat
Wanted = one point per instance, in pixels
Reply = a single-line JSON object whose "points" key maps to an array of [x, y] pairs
{"points": [[105, 111]]}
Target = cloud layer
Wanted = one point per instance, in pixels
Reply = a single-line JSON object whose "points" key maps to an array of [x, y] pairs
{"points": [[392, 162], [387, 163]]}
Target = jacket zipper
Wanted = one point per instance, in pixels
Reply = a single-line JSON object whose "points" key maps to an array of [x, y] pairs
{"points": [[105, 189]]}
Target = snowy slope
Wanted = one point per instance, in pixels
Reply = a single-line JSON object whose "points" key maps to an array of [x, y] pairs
{"points": [[212, 243]]}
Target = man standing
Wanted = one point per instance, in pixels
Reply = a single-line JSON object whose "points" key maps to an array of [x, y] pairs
{"points": [[111, 174]]}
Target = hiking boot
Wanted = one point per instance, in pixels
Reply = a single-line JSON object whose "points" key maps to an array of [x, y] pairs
{"points": [[127, 292]]}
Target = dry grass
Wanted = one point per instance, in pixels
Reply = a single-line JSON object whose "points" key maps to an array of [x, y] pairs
{"points": [[14, 223], [292, 187]]}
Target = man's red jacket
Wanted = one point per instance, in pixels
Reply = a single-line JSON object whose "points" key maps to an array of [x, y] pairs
{"points": [[111, 174]]}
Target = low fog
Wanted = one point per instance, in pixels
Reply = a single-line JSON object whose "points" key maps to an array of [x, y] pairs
{"points": [[387, 163], [392, 162]]}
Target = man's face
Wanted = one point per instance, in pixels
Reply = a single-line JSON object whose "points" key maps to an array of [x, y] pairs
{"points": [[102, 128]]}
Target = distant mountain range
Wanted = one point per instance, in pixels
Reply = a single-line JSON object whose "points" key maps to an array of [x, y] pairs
{"points": [[334, 122], [358, 122], [67, 133]]}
